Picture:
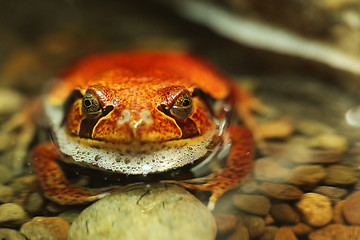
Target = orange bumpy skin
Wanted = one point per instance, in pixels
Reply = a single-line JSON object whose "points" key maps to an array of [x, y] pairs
{"points": [[141, 113]]}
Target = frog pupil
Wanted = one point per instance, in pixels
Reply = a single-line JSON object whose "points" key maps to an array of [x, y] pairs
{"points": [[186, 103], [87, 103]]}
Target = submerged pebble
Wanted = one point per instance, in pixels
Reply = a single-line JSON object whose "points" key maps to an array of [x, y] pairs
{"points": [[146, 212], [351, 208], [315, 208], [334, 193], [51, 228], [307, 176], [225, 222], [5, 174], [281, 191], [10, 234], [254, 224], [12, 215], [340, 175], [285, 233], [268, 170], [285, 214], [336, 232], [254, 204], [269, 233], [6, 194]]}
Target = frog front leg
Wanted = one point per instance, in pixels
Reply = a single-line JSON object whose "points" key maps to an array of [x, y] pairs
{"points": [[54, 184], [237, 166]]}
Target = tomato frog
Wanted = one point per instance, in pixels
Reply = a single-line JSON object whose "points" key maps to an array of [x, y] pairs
{"points": [[141, 113]]}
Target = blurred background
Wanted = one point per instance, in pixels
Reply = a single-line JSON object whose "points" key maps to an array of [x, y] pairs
{"points": [[301, 58]]}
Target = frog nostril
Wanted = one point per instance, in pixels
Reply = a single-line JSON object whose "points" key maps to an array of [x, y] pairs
{"points": [[125, 117], [145, 115]]}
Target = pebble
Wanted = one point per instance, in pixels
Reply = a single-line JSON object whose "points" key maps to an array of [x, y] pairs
{"points": [[269, 233], [307, 176], [10, 101], [28, 182], [351, 208], [11, 215], [282, 128], [6, 193], [10, 234], [5, 174], [34, 203], [225, 223], [336, 232], [70, 215], [301, 229], [254, 204], [334, 193], [148, 211], [281, 191], [241, 233], [285, 233], [340, 175], [254, 224], [269, 220], [51, 228], [315, 208], [250, 187], [284, 213], [267, 170], [338, 216], [329, 140], [313, 128]]}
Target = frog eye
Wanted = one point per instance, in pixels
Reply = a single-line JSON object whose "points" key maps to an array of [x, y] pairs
{"points": [[90, 105], [183, 107]]}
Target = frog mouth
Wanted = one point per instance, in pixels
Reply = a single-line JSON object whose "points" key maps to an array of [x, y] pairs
{"points": [[136, 159], [133, 158]]}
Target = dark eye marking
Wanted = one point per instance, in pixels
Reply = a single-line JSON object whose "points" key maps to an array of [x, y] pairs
{"points": [[88, 124]]}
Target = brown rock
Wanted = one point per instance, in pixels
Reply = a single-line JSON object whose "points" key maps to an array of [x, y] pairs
{"points": [[52, 228], [225, 223], [285, 233], [5, 174], [250, 187], [284, 213], [301, 229], [269, 220], [269, 233], [338, 216], [70, 215], [241, 233], [334, 193], [10, 234], [34, 203], [6, 194], [255, 225], [315, 208], [336, 232], [267, 170], [351, 209], [255, 204], [29, 182], [281, 191], [340, 175]]}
